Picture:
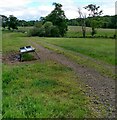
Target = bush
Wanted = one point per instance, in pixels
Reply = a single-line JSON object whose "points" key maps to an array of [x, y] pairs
{"points": [[48, 26], [33, 32], [37, 32], [41, 32], [55, 31], [46, 30]]}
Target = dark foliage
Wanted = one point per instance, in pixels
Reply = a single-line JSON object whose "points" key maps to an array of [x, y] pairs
{"points": [[58, 18], [12, 22], [104, 21]]}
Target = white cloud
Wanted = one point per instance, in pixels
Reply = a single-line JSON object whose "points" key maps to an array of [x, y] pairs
{"points": [[23, 9], [13, 3]]}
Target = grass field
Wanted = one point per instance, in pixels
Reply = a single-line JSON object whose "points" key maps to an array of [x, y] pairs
{"points": [[101, 49], [49, 90], [42, 91], [101, 57], [76, 31]]}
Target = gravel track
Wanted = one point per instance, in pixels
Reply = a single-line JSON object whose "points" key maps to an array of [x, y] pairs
{"points": [[103, 87]]}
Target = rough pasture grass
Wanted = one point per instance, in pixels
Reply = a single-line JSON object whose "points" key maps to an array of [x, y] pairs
{"points": [[76, 31], [101, 49], [41, 90], [102, 67], [12, 41], [24, 29]]}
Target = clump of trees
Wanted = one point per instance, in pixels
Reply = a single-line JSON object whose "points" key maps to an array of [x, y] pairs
{"points": [[4, 21], [58, 18], [94, 12], [104, 21], [44, 30], [11, 22], [53, 25]]}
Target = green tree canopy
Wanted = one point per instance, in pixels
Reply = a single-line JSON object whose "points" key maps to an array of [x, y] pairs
{"points": [[4, 21], [45, 30], [94, 11], [58, 18], [12, 22]]}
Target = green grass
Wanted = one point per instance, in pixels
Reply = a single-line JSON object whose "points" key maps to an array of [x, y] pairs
{"points": [[25, 29], [12, 41], [100, 49], [102, 67], [76, 31], [42, 90], [28, 57], [37, 90]]}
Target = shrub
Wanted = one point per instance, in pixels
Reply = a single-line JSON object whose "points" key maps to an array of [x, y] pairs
{"points": [[41, 32], [55, 31], [33, 32], [37, 32], [48, 26]]}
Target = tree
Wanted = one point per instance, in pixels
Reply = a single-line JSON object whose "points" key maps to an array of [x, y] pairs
{"points": [[12, 22], [45, 30], [58, 18], [48, 26], [83, 18], [55, 31], [4, 21], [38, 24], [93, 9]]}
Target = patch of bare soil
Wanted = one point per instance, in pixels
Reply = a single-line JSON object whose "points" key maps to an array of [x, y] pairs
{"points": [[14, 58], [98, 85]]}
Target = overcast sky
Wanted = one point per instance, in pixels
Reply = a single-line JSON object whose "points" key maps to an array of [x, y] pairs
{"points": [[34, 9]]}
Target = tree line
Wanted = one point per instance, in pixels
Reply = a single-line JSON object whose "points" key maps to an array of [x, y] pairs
{"points": [[56, 23], [104, 21]]}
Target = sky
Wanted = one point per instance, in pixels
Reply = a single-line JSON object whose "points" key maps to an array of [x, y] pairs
{"points": [[34, 9]]}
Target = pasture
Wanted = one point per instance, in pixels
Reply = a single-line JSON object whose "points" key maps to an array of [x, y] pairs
{"points": [[100, 49], [76, 31], [48, 89], [98, 54]]}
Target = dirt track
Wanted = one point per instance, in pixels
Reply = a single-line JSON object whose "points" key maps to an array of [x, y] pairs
{"points": [[95, 84], [101, 86]]}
